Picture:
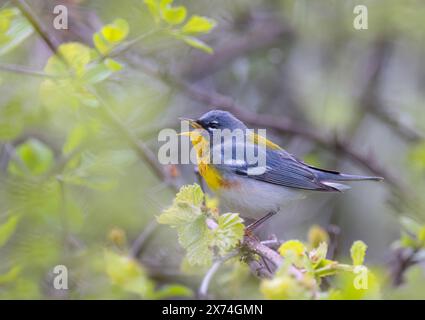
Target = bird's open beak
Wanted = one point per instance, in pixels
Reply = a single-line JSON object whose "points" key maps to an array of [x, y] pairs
{"points": [[193, 123]]}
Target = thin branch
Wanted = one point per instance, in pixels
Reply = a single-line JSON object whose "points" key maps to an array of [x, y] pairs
{"points": [[36, 23], [131, 43], [403, 259], [141, 240], [139, 146], [203, 289], [25, 70]]}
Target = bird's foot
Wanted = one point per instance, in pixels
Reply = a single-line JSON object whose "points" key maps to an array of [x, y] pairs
{"points": [[251, 227]]}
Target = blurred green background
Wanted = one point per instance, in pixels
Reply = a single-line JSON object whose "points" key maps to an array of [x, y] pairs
{"points": [[73, 179]]}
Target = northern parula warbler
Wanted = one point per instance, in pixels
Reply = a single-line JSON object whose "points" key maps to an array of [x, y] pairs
{"points": [[257, 194]]}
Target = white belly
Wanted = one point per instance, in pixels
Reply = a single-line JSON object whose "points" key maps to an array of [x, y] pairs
{"points": [[254, 199]]}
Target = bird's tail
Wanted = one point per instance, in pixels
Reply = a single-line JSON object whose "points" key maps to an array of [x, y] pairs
{"points": [[337, 176], [351, 177]]}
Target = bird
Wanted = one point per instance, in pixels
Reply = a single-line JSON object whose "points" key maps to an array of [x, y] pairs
{"points": [[256, 194]]}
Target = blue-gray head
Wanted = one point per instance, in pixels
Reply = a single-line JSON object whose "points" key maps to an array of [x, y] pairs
{"points": [[219, 119]]}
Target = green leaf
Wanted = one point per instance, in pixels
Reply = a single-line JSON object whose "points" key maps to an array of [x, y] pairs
{"points": [[294, 246], [128, 274], [96, 73], [318, 254], [76, 55], [115, 32], [196, 43], [284, 286], [410, 225], [416, 156], [358, 252], [100, 44], [194, 237], [113, 65], [33, 157], [317, 235], [75, 138], [110, 36], [10, 276], [172, 15], [14, 29], [172, 291], [229, 232], [186, 216], [198, 24], [8, 228]]}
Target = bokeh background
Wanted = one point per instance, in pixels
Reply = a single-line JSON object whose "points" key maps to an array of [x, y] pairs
{"points": [[74, 182]]}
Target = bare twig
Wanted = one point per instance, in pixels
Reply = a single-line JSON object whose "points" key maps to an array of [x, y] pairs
{"points": [[25, 70], [141, 240], [403, 259], [203, 289], [36, 23]]}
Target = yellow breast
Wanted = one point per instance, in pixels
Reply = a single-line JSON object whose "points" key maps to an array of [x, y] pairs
{"points": [[208, 172]]}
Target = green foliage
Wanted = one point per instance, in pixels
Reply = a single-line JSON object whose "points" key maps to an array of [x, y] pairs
{"points": [[110, 36], [33, 157], [417, 157], [127, 274], [228, 233], [187, 215], [14, 29], [76, 67], [10, 275], [358, 252], [303, 271], [164, 13], [8, 228], [413, 234]]}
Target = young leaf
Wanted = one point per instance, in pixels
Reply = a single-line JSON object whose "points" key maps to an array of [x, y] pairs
{"points": [[116, 31], [172, 291], [294, 246], [186, 216], [14, 29], [128, 274], [358, 252], [317, 235], [33, 156], [7, 229], [172, 15], [110, 36], [198, 24], [113, 65], [196, 43], [76, 55], [11, 275], [229, 232], [318, 254]]}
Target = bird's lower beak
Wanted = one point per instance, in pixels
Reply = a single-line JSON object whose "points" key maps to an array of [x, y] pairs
{"points": [[193, 123]]}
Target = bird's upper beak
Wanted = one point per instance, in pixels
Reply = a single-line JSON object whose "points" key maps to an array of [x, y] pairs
{"points": [[193, 123]]}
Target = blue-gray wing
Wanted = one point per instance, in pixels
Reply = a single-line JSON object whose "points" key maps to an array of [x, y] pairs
{"points": [[281, 169]]}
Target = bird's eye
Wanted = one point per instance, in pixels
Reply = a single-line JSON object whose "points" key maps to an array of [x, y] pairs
{"points": [[213, 124]]}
